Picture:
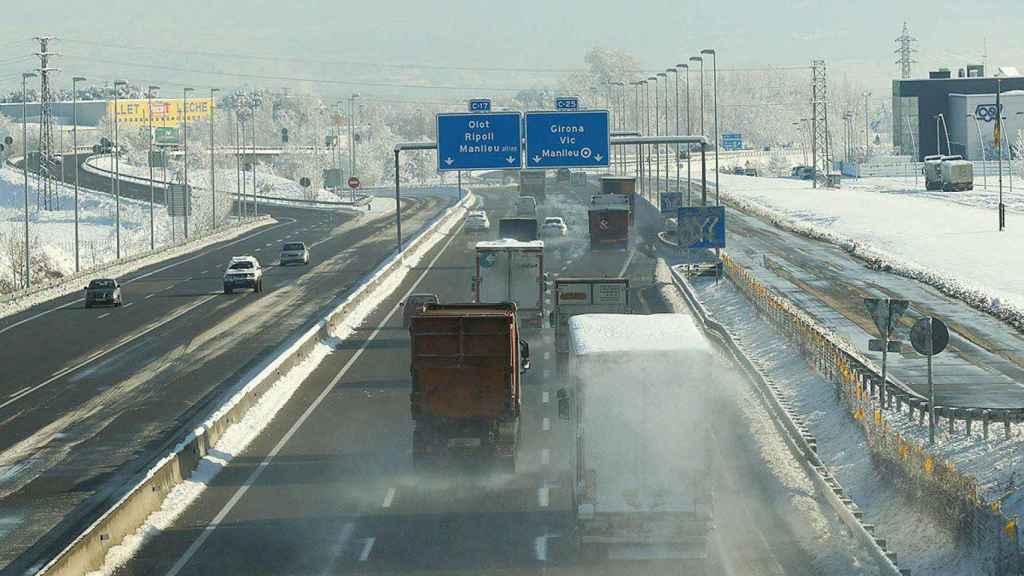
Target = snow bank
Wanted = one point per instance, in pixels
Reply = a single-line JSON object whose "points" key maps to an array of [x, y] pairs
{"points": [[951, 246]]}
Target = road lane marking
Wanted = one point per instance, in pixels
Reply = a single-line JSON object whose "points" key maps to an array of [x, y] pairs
{"points": [[209, 250], [367, 547], [128, 305], [104, 351], [203, 273], [258, 249], [101, 316], [547, 373], [258, 471], [540, 548], [547, 354], [546, 424], [388, 498], [19, 391], [545, 456], [148, 296], [545, 397], [543, 496], [625, 265]]}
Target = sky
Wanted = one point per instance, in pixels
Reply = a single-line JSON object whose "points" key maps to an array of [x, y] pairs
{"points": [[170, 43]]}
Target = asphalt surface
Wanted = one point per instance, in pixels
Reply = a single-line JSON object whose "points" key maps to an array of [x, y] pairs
{"points": [[983, 365], [90, 397], [329, 486]]}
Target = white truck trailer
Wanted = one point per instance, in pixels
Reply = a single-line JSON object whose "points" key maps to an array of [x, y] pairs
{"points": [[512, 271], [643, 489]]}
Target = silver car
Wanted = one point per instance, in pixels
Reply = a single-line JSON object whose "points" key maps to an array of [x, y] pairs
{"points": [[103, 292], [294, 253]]}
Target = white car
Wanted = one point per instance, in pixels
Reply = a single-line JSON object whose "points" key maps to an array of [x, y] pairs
{"points": [[554, 226], [243, 272], [476, 221], [294, 252]]}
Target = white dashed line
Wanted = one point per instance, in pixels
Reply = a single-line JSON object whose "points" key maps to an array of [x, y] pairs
{"points": [[540, 548], [367, 547], [128, 305], [388, 498], [547, 354], [19, 391], [546, 424], [258, 249], [543, 496], [545, 456], [545, 397], [148, 296], [203, 273], [103, 315]]}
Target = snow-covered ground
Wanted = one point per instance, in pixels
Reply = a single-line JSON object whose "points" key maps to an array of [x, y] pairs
{"points": [[52, 232], [947, 240]]}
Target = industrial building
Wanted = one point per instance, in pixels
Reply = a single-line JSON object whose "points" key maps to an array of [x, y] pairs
{"points": [[925, 109]]}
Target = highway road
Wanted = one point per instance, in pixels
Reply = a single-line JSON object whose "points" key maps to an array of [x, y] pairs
{"points": [[983, 365], [329, 487], [89, 397]]}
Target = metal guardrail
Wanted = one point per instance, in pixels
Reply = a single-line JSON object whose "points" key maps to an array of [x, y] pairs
{"points": [[801, 443]]}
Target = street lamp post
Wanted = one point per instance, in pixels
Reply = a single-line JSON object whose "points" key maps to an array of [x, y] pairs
{"points": [[867, 139], [981, 145], [704, 186], [213, 172], [619, 124], [184, 117], [351, 134], [714, 81], [117, 171], [665, 109], [675, 72], [24, 163], [643, 127], [651, 81], [74, 154], [636, 127], [689, 168], [152, 135], [657, 132]]}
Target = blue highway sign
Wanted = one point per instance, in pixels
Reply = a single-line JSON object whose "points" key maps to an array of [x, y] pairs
{"points": [[671, 202], [480, 105], [567, 139], [732, 141], [567, 103], [701, 227], [478, 141]]}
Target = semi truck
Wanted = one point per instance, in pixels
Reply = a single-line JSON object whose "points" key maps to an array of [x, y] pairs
{"points": [[512, 271], [574, 296], [532, 183], [643, 489], [624, 185], [522, 229], [467, 364], [609, 222], [933, 172]]}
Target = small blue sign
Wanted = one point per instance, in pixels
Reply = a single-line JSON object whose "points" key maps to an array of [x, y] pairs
{"points": [[671, 202], [480, 105], [567, 103], [479, 141], [701, 227], [732, 141], [567, 139]]}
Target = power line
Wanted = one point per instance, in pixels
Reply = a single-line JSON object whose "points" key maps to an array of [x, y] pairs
{"points": [[260, 57], [296, 78]]}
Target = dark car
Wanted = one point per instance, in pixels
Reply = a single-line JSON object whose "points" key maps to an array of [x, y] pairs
{"points": [[413, 305], [103, 292]]}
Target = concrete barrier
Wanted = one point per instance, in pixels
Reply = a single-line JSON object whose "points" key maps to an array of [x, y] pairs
{"points": [[88, 550]]}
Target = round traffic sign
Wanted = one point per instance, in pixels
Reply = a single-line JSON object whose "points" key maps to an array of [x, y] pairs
{"points": [[353, 182], [304, 182], [8, 140], [939, 336]]}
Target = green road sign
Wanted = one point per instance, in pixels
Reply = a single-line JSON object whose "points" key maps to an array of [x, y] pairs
{"points": [[165, 135]]}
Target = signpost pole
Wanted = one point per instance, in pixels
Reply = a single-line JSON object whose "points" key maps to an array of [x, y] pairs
{"points": [[931, 388], [398, 205], [460, 185], [885, 353]]}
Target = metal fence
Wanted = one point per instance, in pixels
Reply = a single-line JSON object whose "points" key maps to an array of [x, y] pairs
{"points": [[931, 482]]}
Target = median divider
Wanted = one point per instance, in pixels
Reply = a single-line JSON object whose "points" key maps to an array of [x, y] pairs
{"points": [[144, 496], [799, 440]]}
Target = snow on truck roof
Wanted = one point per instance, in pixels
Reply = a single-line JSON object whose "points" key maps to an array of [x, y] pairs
{"points": [[617, 333], [505, 243]]}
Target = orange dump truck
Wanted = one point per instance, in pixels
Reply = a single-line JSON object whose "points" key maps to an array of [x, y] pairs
{"points": [[467, 362]]}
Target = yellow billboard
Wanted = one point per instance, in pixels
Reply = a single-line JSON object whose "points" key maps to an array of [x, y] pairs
{"points": [[166, 111]]}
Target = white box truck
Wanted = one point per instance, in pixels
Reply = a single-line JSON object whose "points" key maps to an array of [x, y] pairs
{"points": [[643, 473], [512, 271], [574, 296], [957, 175]]}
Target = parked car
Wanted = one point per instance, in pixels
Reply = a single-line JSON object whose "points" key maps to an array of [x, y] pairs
{"points": [[103, 291], [243, 272], [413, 305], [477, 221], [554, 226], [294, 252]]}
